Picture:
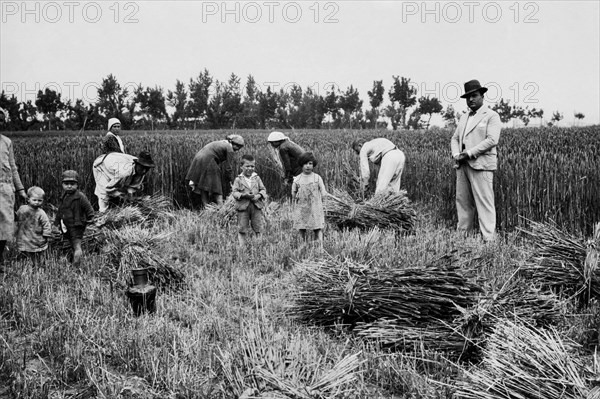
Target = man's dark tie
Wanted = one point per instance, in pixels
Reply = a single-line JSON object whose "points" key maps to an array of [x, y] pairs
{"points": [[472, 113]]}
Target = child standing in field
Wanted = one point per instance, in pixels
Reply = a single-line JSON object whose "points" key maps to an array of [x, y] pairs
{"points": [[33, 225], [250, 195], [75, 211], [308, 191]]}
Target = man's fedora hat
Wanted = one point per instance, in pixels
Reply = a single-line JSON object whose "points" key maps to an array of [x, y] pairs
{"points": [[472, 86], [145, 159]]}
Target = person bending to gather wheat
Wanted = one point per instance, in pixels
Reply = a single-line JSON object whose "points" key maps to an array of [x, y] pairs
{"points": [[204, 174], [390, 159]]}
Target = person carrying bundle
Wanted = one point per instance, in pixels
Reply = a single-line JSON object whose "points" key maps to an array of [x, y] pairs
{"points": [[390, 159], [119, 176]]}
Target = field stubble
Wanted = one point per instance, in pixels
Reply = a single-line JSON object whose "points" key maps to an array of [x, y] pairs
{"points": [[71, 333]]}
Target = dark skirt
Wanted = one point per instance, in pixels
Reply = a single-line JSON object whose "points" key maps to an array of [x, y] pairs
{"points": [[206, 174]]}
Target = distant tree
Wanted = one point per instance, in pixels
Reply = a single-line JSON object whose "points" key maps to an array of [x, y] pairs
{"points": [[225, 106], [49, 105], [232, 101], [12, 105], [523, 114], [375, 100], [313, 109], [307, 111], [504, 110], [404, 94], [331, 104], [267, 105], [282, 111], [579, 116], [152, 104], [395, 116], [215, 111], [178, 100], [556, 117], [28, 116], [295, 118], [199, 88], [250, 105], [536, 113], [76, 115], [429, 106], [113, 100], [449, 116], [351, 104], [414, 120]]}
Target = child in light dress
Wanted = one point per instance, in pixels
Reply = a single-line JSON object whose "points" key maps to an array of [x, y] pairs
{"points": [[308, 191]]}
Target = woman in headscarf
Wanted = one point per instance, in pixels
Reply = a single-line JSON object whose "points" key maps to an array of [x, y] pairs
{"points": [[10, 183], [204, 174], [286, 154], [112, 141]]}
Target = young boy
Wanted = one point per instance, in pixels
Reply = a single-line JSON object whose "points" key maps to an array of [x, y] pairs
{"points": [[75, 211], [250, 195], [33, 225]]}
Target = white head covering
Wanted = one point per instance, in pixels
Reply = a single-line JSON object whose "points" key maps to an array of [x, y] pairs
{"points": [[113, 121], [235, 139], [276, 136]]}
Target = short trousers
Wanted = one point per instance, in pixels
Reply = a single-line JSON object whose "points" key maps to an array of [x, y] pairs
{"points": [[75, 232], [251, 217]]}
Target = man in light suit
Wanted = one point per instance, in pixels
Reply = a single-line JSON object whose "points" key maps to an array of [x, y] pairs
{"points": [[474, 150]]}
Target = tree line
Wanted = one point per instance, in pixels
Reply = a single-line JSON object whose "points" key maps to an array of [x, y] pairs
{"points": [[207, 103]]}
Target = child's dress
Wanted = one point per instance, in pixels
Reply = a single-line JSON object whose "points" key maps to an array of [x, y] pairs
{"points": [[308, 191]]}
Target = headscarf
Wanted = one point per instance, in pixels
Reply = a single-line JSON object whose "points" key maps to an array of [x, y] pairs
{"points": [[235, 139], [277, 136], [113, 121]]}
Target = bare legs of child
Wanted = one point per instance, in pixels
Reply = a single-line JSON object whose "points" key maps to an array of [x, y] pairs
{"points": [[242, 239], [77, 251], [318, 236]]}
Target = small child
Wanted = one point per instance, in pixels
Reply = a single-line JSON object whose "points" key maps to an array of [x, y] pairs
{"points": [[250, 195], [308, 191], [75, 211], [33, 225]]}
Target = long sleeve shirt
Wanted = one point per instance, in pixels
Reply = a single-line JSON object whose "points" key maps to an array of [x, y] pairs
{"points": [[33, 229], [252, 185], [74, 210]]}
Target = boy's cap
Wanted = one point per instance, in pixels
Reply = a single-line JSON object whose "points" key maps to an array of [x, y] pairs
{"points": [[70, 175]]}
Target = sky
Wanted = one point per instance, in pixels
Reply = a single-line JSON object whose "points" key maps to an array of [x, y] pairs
{"points": [[542, 54]]}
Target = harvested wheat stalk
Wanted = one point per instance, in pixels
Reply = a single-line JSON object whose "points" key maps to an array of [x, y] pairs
{"points": [[385, 210], [563, 262], [330, 293], [522, 361], [132, 248]]}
